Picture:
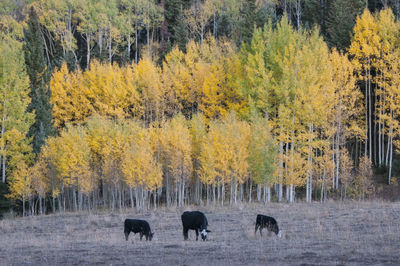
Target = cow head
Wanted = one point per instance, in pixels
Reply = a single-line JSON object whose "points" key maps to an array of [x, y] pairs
{"points": [[151, 236], [204, 234], [276, 230]]}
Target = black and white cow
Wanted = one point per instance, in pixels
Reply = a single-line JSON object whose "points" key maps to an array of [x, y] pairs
{"points": [[137, 226], [268, 222], [195, 221]]}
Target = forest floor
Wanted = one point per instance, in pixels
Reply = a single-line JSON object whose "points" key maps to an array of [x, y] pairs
{"points": [[352, 233]]}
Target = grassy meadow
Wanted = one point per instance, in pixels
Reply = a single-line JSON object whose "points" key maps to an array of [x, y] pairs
{"points": [[353, 233]]}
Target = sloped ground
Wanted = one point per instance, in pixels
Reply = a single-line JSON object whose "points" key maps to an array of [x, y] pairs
{"points": [[316, 234]]}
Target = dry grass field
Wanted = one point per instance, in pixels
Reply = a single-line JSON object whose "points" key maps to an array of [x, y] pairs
{"points": [[316, 234]]}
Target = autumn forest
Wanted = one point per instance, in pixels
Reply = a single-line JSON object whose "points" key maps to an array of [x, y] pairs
{"points": [[141, 103]]}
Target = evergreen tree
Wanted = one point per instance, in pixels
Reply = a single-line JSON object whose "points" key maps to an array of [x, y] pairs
{"points": [[181, 33], [341, 20], [250, 16], [39, 78], [174, 15]]}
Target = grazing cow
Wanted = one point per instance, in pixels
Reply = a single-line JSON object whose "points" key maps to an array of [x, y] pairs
{"points": [[195, 221], [137, 226], [267, 222]]}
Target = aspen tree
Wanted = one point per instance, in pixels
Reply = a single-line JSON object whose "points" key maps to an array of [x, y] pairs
{"points": [[39, 183], [103, 11], [323, 168], [312, 77], [347, 113], [105, 139], [20, 185], [177, 77], [112, 33], [257, 80], [393, 115], [70, 104], [59, 17], [46, 174], [126, 26], [178, 146], [346, 172], [72, 161], [198, 133], [387, 90], [107, 88], [113, 151], [87, 14], [15, 118], [214, 162], [48, 157], [270, 82], [365, 49], [293, 71], [363, 178], [212, 99], [224, 156], [147, 78], [262, 156], [203, 78], [239, 143], [140, 169], [197, 18]]}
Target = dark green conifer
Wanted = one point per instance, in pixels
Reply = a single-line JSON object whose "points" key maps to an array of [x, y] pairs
{"points": [[340, 22], [174, 15], [251, 17], [39, 75]]}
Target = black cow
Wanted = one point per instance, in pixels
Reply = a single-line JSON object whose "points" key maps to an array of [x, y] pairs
{"points": [[268, 222], [137, 226], [195, 221]]}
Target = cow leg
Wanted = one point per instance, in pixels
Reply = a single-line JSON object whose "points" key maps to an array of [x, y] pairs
{"points": [[197, 234], [185, 233], [269, 227], [261, 231], [126, 235], [255, 231], [141, 236]]}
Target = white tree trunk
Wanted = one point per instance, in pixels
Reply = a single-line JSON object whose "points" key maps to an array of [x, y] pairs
{"points": [[88, 50], [3, 158], [258, 192], [281, 173], [250, 188]]}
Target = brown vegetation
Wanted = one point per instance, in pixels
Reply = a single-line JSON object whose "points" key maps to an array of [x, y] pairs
{"points": [[329, 234]]}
